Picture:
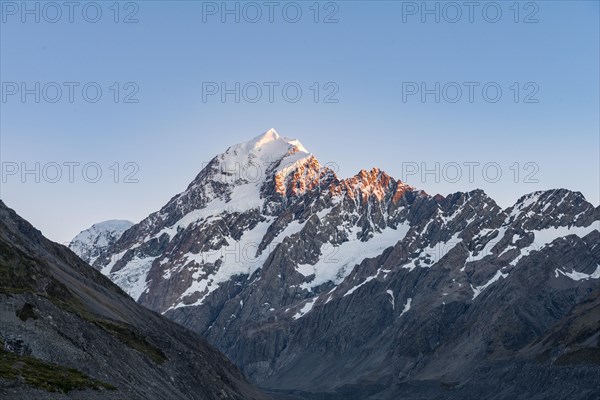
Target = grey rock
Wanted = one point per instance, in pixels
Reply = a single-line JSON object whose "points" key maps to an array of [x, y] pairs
{"points": [[59, 310], [414, 295]]}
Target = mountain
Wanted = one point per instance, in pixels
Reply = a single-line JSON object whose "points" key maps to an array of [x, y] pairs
{"points": [[366, 287], [69, 332], [92, 242]]}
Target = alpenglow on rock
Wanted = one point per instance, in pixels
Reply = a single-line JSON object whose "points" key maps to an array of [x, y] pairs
{"points": [[314, 283], [240, 207]]}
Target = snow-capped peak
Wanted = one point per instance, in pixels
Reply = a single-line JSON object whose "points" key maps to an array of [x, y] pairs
{"points": [[90, 243], [269, 146], [244, 176], [268, 136], [112, 225], [261, 158]]}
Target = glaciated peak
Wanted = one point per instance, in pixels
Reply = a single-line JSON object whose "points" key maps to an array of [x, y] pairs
{"points": [[264, 154], [296, 144], [269, 145], [246, 173], [267, 137], [99, 228], [90, 243], [250, 163]]}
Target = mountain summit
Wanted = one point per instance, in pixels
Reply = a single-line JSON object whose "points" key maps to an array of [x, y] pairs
{"points": [[245, 202], [312, 283], [92, 242], [271, 137]]}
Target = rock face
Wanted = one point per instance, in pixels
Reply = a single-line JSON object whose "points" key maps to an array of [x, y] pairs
{"points": [[69, 332], [369, 288], [92, 242]]}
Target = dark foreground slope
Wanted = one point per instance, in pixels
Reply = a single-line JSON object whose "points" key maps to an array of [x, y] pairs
{"points": [[68, 332]]}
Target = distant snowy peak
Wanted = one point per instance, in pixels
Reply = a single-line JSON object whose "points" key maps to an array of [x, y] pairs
{"points": [[90, 243], [97, 232]]}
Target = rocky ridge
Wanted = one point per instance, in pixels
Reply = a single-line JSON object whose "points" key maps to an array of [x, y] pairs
{"points": [[316, 284]]}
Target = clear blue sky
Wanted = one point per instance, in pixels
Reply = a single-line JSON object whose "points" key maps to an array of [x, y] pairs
{"points": [[370, 54]]}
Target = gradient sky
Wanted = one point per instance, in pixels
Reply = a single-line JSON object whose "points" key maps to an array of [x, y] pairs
{"points": [[369, 53]]}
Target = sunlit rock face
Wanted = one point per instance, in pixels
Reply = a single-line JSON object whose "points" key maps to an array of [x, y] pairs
{"points": [[311, 282]]}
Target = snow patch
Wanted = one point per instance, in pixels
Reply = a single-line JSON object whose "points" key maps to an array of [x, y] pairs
{"points": [[352, 290], [239, 258], [477, 290], [487, 249], [291, 229], [132, 277], [90, 243], [579, 276], [406, 306], [392, 300], [435, 253], [544, 237], [337, 262], [306, 308]]}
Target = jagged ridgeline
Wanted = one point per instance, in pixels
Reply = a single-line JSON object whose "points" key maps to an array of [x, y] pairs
{"points": [[366, 286]]}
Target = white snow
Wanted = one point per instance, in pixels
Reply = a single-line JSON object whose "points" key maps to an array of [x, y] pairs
{"points": [[406, 306], [291, 229], [411, 265], [337, 262], [98, 237], [306, 308], [132, 277], [392, 300], [292, 162], [527, 201], [353, 289], [95, 231], [440, 250], [477, 290], [296, 143], [244, 168], [578, 276], [113, 260], [238, 258], [487, 249], [434, 253], [264, 150], [546, 236], [321, 214]]}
